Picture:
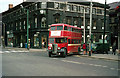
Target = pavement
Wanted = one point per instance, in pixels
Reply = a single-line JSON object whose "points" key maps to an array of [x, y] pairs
{"points": [[108, 56]]}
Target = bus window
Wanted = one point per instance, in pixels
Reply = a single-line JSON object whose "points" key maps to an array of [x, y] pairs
{"points": [[52, 27], [77, 41], [69, 29], [59, 27], [68, 41], [51, 40], [65, 27], [60, 40]]}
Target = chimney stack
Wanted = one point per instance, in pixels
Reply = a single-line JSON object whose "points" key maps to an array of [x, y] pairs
{"points": [[10, 6]]}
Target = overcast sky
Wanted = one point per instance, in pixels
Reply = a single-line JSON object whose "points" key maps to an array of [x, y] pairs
{"points": [[4, 3]]}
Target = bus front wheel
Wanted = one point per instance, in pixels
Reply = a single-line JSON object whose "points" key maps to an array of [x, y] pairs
{"points": [[65, 53], [50, 54]]}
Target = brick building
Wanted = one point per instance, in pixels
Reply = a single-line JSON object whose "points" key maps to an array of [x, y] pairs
{"points": [[43, 14]]}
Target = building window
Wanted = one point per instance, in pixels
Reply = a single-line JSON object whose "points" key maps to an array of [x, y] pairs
{"points": [[24, 24], [94, 24], [103, 12], [35, 22], [74, 8], [75, 22], [62, 6], [20, 25], [68, 20], [43, 22], [94, 11], [16, 25], [68, 7], [81, 9], [87, 10], [56, 5], [36, 6], [99, 11], [43, 5]]}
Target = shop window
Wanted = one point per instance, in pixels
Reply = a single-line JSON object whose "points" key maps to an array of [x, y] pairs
{"points": [[43, 22]]}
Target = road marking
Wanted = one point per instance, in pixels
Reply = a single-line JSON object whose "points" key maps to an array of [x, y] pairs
{"points": [[112, 68], [72, 62], [97, 65], [7, 51], [104, 66], [91, 64], [118, 69], [53, 58], [1, 52]]}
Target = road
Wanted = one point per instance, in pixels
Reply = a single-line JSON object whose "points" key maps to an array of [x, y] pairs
{"points": [[19, 63]]}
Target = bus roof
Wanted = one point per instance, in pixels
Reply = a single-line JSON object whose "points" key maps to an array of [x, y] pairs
{"points": [[61, 24]]}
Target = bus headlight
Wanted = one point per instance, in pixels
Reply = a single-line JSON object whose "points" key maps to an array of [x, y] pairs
{"points": [[50, 48], [58, 47], [62, 49]]}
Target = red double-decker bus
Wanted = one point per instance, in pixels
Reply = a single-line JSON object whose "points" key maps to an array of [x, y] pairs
{"points": [[64, 39]]}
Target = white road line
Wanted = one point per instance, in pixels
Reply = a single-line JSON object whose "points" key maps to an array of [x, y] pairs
{"points": [[1, 52], [104, 66], [118, 69], [6, 51], [97, 65], [112, 68], [72, 62], [53, 58], [91, 64]]}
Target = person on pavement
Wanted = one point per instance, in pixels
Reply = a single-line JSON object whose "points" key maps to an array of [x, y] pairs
{"points": [[114, 48], [84, 49]]}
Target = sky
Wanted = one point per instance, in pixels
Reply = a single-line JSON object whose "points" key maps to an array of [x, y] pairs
{"points": [[4, 3]]}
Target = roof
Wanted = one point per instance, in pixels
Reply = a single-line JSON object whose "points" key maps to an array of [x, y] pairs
{"points": [[114, 5], [58, 0], [16, 7]]}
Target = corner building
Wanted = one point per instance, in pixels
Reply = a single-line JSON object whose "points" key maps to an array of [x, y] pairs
{"points": [[43, 14]]}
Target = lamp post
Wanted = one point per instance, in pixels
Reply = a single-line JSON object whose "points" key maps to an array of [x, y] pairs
{"points": [[84, 25], [27, 26], [104, 25], [90, 27]]}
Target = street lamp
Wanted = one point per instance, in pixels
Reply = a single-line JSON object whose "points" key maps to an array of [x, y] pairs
{"points": [[104, 24], [90, 27], [27, 25]]}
